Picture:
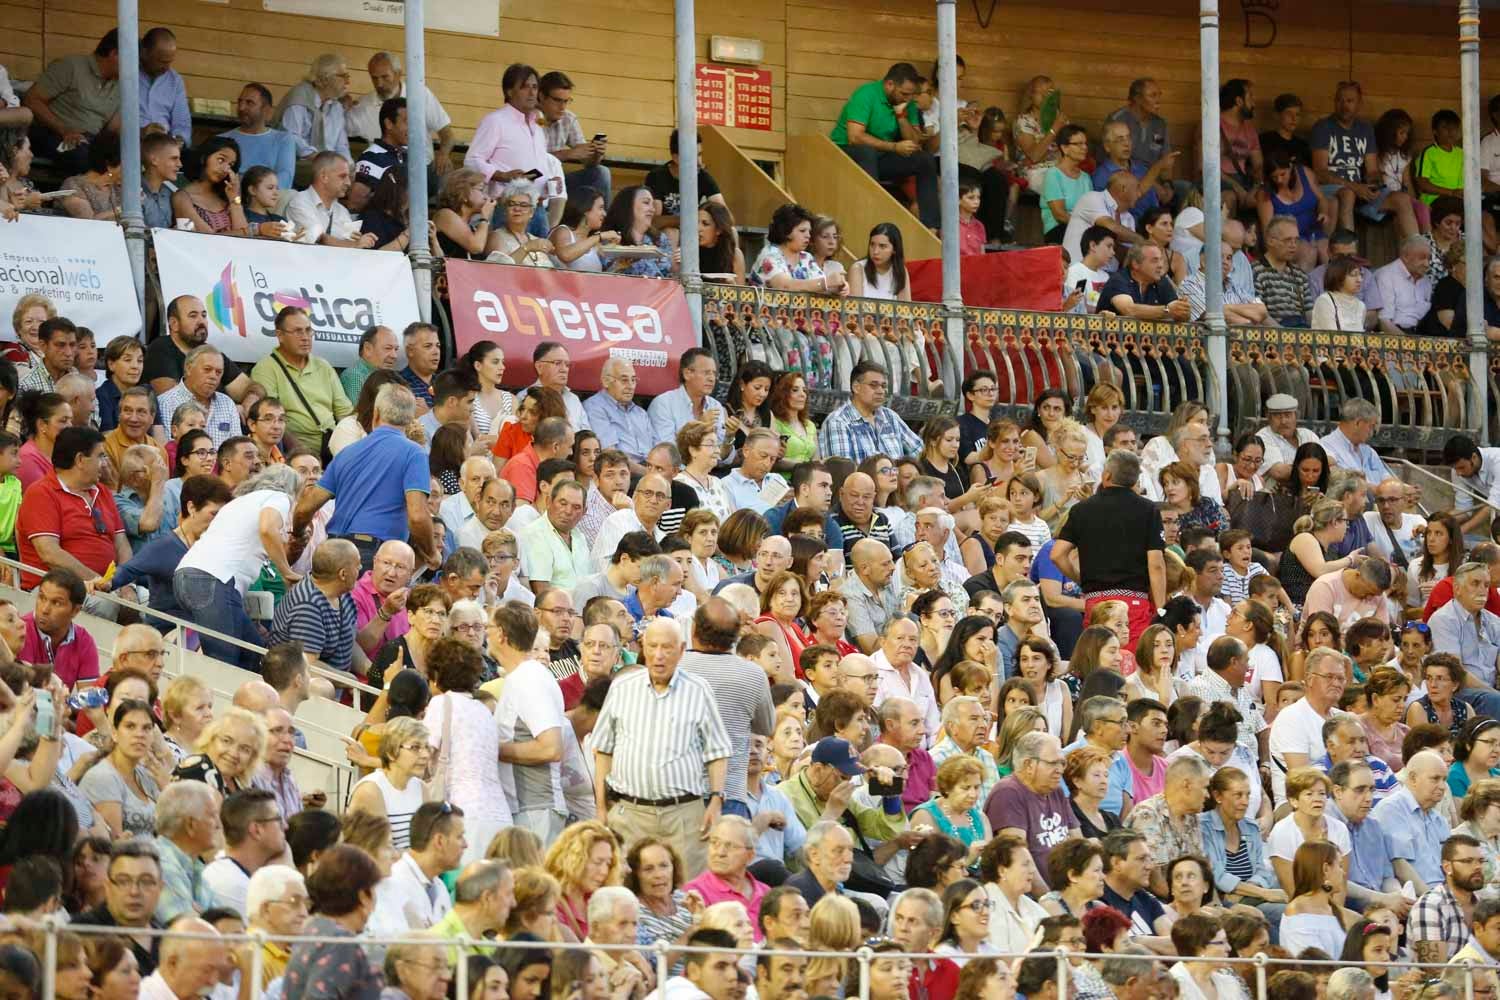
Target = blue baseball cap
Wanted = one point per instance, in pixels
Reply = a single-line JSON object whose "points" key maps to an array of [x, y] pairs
{"points": [[837, 753]]}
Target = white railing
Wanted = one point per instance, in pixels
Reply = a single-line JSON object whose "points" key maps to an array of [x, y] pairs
{"points": [[664, 954]]}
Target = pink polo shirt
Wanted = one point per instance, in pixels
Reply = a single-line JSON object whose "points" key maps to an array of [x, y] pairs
{"points": [[367, 605], [74, 659], [715, 890]]}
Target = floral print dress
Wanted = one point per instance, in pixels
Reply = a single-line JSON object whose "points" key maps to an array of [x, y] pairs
{"points": [[328, 971], [772, 262]]}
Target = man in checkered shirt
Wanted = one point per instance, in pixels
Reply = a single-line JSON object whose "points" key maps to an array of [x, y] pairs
{"points": [[1438, 925]]}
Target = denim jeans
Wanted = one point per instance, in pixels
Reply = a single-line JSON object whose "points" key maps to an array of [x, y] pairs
{"points": [[216, 605], [595, 175], [1484, 701]]}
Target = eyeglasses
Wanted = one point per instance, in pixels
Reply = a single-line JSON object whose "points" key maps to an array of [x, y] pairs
{"points": [[295, 902], [202, 453], [469, 627], [417, 746], [978, 905], [503, 557], [985, 390], [146, 883], [98, 518], [947, 614], [1331, 678]]}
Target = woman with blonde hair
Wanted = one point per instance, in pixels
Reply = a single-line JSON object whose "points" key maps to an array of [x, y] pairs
{"points": [[1306, 556], [1066, 482], [584, 857], [535, 908], [395, 791], [1016, 724], [978, 550], [518, 845], [1101, 411], [832, 926], [463, 215], [187, 708], [230, 750]]}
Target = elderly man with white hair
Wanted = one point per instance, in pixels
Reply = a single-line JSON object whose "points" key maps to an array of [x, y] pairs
{"points": [[202, 374], [1350, 984], [459, 509], [661, 750], [615, 416], [614, 915], [276, 903], [141, 647], [380, 597], [78, 389], [731, 849], [1414, 826], [1030, 803], [187, 968], [187, 828], [313, 110], [387, 80], [935, 526], [966, 723]]}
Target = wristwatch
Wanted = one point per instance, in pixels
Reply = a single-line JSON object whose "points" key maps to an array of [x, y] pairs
{"points": [[716, 795]]}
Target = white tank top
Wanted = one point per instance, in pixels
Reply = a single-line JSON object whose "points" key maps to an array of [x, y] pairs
{"points": [[884, 285], [400, 806]]}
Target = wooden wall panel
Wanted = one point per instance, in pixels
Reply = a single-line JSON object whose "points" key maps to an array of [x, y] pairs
{"points": [[1404, 55], [765, 20]]}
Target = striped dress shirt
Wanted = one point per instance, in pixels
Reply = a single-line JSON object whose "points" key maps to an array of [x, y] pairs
{"points": [[660, 741], [744, 701]]}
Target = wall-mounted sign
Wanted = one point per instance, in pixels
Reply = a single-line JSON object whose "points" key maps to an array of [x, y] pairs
{"points": [[734, 96], [473, 17]]}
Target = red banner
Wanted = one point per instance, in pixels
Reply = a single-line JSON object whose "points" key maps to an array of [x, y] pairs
{"points": [[1014, 279], [595, 316]]}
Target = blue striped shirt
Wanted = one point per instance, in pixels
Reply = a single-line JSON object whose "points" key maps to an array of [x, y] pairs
{"points": [[304, 614], [661, 741]]}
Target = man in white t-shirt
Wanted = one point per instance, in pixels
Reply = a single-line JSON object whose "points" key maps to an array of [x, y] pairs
{"points": [[1297, 731], [1087, 272], [1390, 520], [1110, 209], [1281, 437], [529, 715]]}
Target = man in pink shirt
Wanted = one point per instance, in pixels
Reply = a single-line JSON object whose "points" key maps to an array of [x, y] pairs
{"points": [[380, 597], [1352, 593], [731, 848], [510, 143], [51, 636]]}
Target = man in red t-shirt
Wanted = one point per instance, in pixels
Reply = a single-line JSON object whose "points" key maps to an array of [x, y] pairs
{"points": [[1442, 591], [67, 520]]}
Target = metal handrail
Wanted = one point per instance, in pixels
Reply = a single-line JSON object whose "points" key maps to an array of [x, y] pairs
{"points": [[334, 676]]}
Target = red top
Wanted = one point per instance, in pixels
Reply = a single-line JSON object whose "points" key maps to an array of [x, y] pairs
{"points": [[938, 981], [795, 638], [1442, 593], [520, 472], [511, 439], [74, 659], [85, 525]]}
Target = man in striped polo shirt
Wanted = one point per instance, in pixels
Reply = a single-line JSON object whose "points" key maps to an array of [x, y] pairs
{"points": [[661, 751], [319, 613]]}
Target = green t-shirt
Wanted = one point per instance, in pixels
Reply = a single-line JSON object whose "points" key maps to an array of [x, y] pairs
{"points": [[868, 106], [10, 506], [1445, 169]]}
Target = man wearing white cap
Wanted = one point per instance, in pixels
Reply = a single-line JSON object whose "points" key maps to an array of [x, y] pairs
{"points": [[1281, 436]]}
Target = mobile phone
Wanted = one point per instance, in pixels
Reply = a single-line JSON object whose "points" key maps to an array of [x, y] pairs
{"points": [[883, 789], [1082, 283], [599, 137], [45, 712], [533, 174]]}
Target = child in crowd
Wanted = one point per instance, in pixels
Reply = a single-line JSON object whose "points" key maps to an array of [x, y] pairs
{"points": [[1024, 492], [760, 650], [786, 696], [262, 193], [87, 358], [1289, 694], [10, 491], [971, 234], [1239, 566]]}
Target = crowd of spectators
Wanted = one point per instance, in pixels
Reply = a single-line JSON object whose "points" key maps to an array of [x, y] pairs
{"points": [[717, 674]]}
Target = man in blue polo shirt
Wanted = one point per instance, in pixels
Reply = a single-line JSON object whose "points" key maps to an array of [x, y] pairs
{"points": [[1127, 875], [381, 482], [1141, 290]]}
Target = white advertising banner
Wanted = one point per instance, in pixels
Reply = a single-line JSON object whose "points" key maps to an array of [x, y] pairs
{"points": [[470, 17], [79, 264], [245, 283]]}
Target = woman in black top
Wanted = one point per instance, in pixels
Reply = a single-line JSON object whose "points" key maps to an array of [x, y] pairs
{"points": [[940, 443], [385, 216], [463, 215]]}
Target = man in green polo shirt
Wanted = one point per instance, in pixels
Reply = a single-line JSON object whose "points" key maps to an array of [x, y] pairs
{"points": [[482, 899], [306, 387], [881, 130]]}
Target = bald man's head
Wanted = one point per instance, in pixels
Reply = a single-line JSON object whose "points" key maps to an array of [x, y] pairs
{"points": [[256, 696], [872, 562], [716, 626], [857, 497], [192, 966]]}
